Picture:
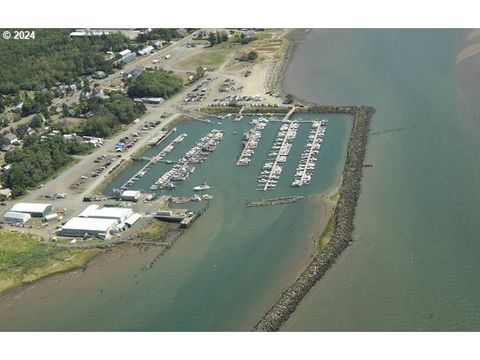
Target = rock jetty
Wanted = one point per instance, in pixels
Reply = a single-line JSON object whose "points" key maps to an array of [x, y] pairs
{"points": [[344, 216]]}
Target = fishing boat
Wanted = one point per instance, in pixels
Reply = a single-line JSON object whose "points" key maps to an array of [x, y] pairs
{"points": [[202, 187]]}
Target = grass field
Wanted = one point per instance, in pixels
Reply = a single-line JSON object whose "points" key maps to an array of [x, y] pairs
{"points": [[23, 259], [213, 57]]}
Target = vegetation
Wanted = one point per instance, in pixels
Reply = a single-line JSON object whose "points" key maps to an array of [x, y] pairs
{"points": [[214, 57], [109, 114], [159, 83], [23, 259], [249, 56], [37, 160], [158, 34], [218, 37], [54, 57]]}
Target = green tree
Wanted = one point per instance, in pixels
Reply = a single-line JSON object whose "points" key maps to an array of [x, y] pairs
{"points": [[212, 39], [36, 122]]}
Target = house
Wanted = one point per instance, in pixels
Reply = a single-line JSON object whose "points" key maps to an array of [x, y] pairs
{"points": [[11, 138], [99, 75], [18, 107], [125, 52], [146, 50]]}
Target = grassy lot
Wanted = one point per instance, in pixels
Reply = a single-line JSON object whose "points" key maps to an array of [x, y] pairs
{"points": [[213, 57], [152, 230], [23, 259]]}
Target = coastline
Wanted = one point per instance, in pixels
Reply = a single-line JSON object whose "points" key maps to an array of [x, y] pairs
{"points": [[341, 221]]}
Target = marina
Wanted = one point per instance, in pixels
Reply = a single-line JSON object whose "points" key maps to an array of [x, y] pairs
{"points": [[309, 156], [282, 145], [250, 141], [182, 169], [159, 157]]}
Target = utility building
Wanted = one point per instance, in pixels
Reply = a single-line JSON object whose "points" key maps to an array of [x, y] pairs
{"points": [[88, 227], [115, 213], [34, 209], [16, 218]]}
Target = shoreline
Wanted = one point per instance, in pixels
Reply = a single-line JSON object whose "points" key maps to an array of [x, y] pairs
{"points": [[342, 218], [344, 214]]}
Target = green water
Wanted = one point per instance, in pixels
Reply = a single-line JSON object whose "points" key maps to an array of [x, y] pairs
{"points": [[415, 264], [224, 273]]}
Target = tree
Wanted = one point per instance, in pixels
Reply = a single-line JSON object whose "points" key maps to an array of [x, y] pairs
{"points": [[212, 39], [158, 83], [37, 121], [199, 72]]}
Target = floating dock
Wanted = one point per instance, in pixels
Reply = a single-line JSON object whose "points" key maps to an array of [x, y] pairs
{"points": [[250, 143], [271, 171], [309, 156]]}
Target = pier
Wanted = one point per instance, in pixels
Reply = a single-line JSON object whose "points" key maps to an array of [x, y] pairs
{"points": [[280, 157], [303, 176], [154, 160], [290, 112], [253, 137], [197, 154]]}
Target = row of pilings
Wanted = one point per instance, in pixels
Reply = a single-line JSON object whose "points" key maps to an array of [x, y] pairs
{"points": [[344, 215]]}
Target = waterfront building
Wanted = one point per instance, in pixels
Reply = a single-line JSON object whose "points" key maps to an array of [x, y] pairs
{"points": [[88, 227]]}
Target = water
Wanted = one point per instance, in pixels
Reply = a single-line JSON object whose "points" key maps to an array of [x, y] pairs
{"points": [[415, 263], [224, 273]]}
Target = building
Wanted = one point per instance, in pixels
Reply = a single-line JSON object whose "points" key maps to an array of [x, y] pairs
{"points": [[11, 138], [145, 51], [128, 58], [99, 74], [88, 227], [124, 52], [114, 213], [130, 195], [12, 217], [133, 219], [34, 209]]}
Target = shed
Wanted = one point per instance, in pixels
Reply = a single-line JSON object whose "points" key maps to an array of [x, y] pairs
{"points": [[133, 219], [34, 209], [88, 227], [12, 217], [130, 195]]}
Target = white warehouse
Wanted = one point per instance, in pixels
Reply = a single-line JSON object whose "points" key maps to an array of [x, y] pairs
{"points": [[12, 217], [34, 209], [88, 227], [118, 214]]}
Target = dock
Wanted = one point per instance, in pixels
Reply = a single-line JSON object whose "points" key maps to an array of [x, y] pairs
{"points": [[308, 161], [283, 151], [154, 160], [253, 137], [290, 112]]}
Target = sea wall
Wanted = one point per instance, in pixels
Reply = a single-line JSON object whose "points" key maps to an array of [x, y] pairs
{"points": [[344, 218]]}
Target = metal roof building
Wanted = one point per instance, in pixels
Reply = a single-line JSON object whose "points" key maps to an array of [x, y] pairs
{"points": [[88, 227], [130, 195], [118, 214], [132, 219], [12, 217], [34, 209]]}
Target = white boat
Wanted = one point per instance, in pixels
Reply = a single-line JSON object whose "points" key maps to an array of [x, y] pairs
{"points": [[196, 198], [202, 187]]}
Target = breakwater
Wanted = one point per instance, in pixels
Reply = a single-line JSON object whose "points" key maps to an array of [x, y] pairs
{"points": [[344, 215]]}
